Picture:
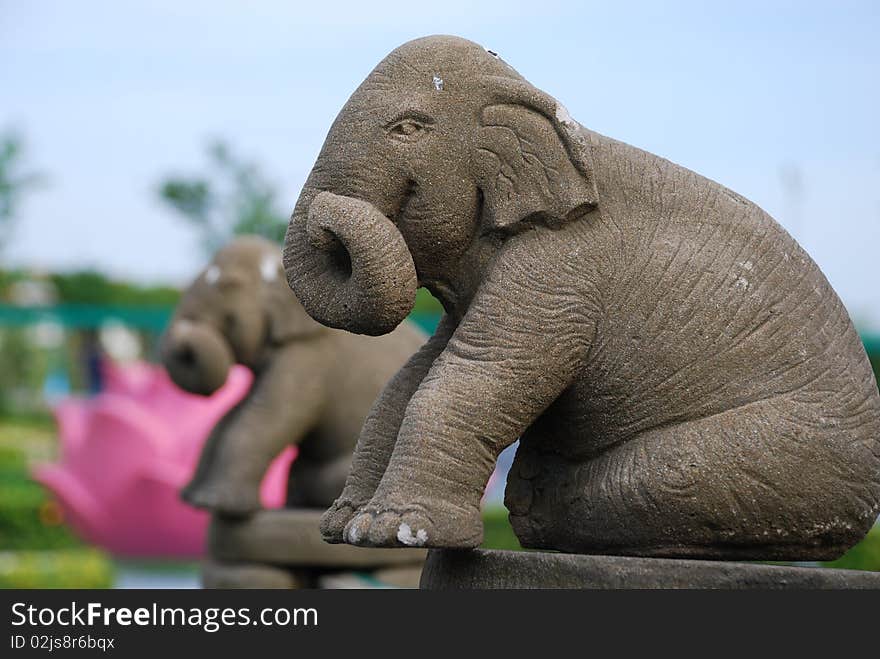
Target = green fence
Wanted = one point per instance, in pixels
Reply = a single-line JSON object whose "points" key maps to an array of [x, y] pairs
{"points": [[87, 316], [872, 345], [154, 319], [93, 316]]}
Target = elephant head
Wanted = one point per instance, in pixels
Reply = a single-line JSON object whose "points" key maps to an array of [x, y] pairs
{"points": [[236, 309], [439, 154]]}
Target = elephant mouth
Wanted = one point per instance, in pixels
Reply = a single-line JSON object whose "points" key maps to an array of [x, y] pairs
{"points": [[348, 263]]}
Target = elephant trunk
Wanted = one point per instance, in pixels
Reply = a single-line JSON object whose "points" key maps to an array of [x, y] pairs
{"points": [[196, 357], [349, 265]]}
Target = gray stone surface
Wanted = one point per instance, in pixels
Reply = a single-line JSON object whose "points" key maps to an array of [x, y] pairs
{"points": [[217, 574], [291, 537], [487, 569]]}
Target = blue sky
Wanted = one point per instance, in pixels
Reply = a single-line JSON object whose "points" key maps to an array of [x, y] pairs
{"points": [[113, 95]]}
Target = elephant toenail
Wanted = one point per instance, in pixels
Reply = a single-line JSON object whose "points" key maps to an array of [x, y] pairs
{"points": [[405, 535]]}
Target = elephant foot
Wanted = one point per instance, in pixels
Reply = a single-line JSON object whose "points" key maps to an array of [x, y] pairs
{"points": [[334, 521], [380, 525], [225, 498]]}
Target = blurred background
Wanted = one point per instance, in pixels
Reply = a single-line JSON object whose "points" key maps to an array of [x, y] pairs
{"points": [[135, 138]]}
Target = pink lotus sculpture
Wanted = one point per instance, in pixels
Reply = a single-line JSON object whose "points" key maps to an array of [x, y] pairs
{"points": [[127, 452]]}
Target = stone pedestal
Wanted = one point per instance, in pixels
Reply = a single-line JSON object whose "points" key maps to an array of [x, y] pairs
{"points": [[487, 569], [216, 574], [283, 549]]}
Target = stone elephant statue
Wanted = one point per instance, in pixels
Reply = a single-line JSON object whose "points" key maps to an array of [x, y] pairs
{"points": [[683, 378], [312, 386]]}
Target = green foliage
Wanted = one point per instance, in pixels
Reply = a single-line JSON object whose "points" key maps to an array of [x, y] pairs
{"points": [[232, 198], [29, 518], [90, 287], [13, 183], [864, 556], [427, 303], [22, 366], [93, 287], [426, 312], [874, 357], [37, 550], [497, 532], [69, 568], [8, 278], [12, 461], [190, 197], [28, 438]]}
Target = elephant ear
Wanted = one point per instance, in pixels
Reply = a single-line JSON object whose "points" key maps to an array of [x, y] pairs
{"points": [[533, 166], [286, 317]]}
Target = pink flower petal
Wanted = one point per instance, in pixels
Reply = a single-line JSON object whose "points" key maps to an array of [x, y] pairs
{"points": [[273, 489], [127, 452]]}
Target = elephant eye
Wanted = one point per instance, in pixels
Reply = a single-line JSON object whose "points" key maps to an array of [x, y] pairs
{"points": [[407, 129]]}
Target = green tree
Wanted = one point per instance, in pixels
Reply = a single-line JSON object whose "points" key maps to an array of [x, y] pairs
{"points": [[13, 182], [233, 197]]}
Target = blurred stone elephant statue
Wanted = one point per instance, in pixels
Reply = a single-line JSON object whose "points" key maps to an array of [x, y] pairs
{"points": [[312, 387], [683, 378]]}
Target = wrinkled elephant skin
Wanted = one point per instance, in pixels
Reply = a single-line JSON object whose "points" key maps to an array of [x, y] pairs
{"points": [[683, 378]]}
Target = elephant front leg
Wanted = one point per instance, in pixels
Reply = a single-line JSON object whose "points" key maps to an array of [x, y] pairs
{"points": [[379, 433], [220, 484], [281, 408], [499, 372]]}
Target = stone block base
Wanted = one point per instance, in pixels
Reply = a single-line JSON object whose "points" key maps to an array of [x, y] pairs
{"points": [[242, 575], [283, 549], [488, 569], [216, 574], [291, 537]]}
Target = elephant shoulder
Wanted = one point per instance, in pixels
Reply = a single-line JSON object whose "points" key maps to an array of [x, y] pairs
{"points": [[627, 173]]}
